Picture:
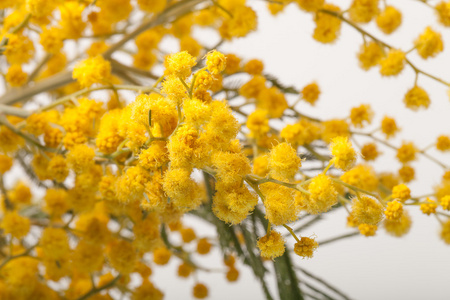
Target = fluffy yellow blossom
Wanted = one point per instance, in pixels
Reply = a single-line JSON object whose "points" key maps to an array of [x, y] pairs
{"points": [[428, 207], [6, 163], [15, 76], [108, 138], [56, 202], [254, 67], [323, 195], [273, 101], [344, 156], [179, 64], [20, 195], [399, 227], [180, 187], [445, 202], [361, 114], [367, 230], [394, 211], [152, 6], [284, 161], [196, 112], [406, 173], [161, 256], [443, 143], [261, 165], [52, 40], [232, 204], [19, 49], [279, 203], [131, 185], [310, 93], [369, 151], [57, 168], [370, 55], [310, 5], [445, 232], [407, 152], [393, 63], [215, 62], [244, 21], [271, 245], [416, 98], [187, 235], [443, 12], [54, 243], [233, 64], [429, 43], [15, 224], [389, 19], [253, 87], [401, 192], [362, 176], [334, 128], [147, 290], [389, 127], [363, 11], [258, 123], [189, 44], [121, 256], [80, 158], [92, 70], [200, 291], [154, 156], [203, 246], [327, 27], [231, 167], [305, 247], [303, 132], [367, 210], [88, 257]]}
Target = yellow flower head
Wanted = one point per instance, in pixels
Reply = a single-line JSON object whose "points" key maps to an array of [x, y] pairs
{"points": [[369, 151], [161, 256], [429, 43], [389, 127], [305, 247], [271, 245], [92, 70], [323, 195], [310, 93], [443, 12], [401, 192], [363, 11], [334, 128], [393, 63], [370, 55], [407, 173], [6, 163], [445, 202], [15, 224], [416, 98], [15, 76], [394, 211], [344, 156], [399, 227], [121, 256], [258, 123], [407, 152], [361, 114], [361, 176], [443, 143], [254, 67], [389, 19], [284, 161], [179, 64], [327, 27], [215, 62], [367, 230], [367, 210], [310, 5], [200, 291], [428, 207]]}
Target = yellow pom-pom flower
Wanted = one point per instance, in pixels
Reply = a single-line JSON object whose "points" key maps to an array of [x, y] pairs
{"points": [[367, 210], [370, 55], [428, 207], [322, 196], [271, 245], [389, 19], [367, 230], [393, 63], [394, 211], [429, 43], [92, 70], [15, 76], [416, 98], [344, 156], [443, 143], [407, 152], [401, 192], [305, 247], [215, 62], [179, 64]]}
